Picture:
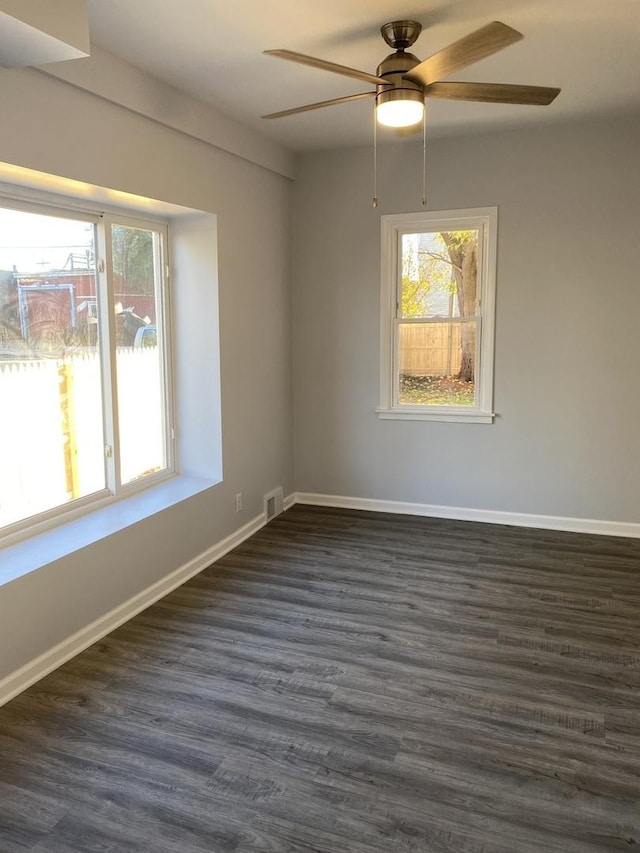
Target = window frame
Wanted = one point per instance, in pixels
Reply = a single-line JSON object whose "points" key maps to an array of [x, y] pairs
{"points": [[102, 218], [106, 297], [393, 227]]}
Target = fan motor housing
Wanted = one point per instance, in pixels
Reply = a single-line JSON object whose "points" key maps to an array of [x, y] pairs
{"points": [[393, 68]]}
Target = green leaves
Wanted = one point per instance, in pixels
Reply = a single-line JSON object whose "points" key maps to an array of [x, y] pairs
{"points": [[431, 266], [133, 258]]}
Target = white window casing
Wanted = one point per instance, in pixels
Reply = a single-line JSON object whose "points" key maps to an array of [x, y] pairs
{"points": [[393, 226], [102, 221]]}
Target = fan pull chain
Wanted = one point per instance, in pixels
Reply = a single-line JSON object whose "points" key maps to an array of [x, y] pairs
{"points": [[424, 157], [375, 155]]}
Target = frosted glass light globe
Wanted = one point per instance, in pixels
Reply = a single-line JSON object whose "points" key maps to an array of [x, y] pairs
{"points": [[400, 113]]}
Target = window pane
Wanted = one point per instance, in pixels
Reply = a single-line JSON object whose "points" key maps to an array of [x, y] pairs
{"points": [[439, 274], [51, 421], [434, 360], [137, 265]]}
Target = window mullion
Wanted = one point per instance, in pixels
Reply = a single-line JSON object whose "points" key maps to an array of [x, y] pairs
{"points": [[398, 294], [164, 333], [108, 355]]}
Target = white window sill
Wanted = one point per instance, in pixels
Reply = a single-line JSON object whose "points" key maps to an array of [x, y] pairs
{"points": [[36, 552], [423, 414]]}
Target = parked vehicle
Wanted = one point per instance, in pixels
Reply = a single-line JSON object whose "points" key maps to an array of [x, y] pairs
{"points": [[146, 336]]}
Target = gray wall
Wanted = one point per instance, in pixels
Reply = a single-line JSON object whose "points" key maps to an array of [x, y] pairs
{"points": [[61, 130], [566, 354], [568, 301]]}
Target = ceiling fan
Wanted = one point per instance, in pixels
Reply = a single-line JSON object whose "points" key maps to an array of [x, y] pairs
{"points": [[402, 81]]}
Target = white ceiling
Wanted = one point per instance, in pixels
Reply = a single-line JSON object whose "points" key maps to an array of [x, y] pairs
{"points": [[213, 51]]}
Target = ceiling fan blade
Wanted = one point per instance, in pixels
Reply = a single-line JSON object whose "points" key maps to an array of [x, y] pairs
{"points": [[319, 105], [493, 93], [327, 66], [477, 45]]}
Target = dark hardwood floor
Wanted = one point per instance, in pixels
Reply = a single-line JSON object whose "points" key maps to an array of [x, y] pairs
{"points": [[349, 682]]}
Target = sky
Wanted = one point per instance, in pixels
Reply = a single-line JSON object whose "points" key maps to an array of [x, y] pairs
{"points": [[36, 243]]}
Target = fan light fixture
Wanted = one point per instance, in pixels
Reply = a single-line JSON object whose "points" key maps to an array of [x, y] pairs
{"points": [[401, 112], [402, 81]]}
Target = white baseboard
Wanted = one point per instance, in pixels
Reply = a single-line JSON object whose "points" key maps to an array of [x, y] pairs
{"points": [[515, 519], [36, 669]]}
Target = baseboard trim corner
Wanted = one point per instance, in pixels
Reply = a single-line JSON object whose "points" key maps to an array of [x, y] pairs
{"points": [[20, 680], [513, 519]]}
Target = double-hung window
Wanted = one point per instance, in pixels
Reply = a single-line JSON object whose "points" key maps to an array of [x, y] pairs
{"points": [[438, 306], [85, 398]]}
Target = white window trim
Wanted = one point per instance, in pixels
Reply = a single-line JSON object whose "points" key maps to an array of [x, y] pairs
{"points": [[36, 201], [108, 354], [392, 226]]}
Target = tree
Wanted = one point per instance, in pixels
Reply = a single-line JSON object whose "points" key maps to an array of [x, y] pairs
{"points": [[462, 248], [133, 259], [426, 276], [447, 261]]}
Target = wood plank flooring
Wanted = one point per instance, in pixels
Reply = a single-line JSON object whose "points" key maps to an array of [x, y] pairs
{"points": [[349, 682]]}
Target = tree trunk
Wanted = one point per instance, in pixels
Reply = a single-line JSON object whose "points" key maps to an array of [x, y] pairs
{"points": [[468, 345], [464, 262]]}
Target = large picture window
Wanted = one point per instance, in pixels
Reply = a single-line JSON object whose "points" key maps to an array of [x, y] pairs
{"points": [[85, 404], [438, 294]]}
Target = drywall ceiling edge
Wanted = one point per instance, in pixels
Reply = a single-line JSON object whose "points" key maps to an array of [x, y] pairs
{"points": [[115, 80], [33, 32]]}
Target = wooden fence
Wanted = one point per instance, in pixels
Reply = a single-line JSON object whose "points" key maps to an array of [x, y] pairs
{"points": [[32, 446], [430, 349], [51, 428]]}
